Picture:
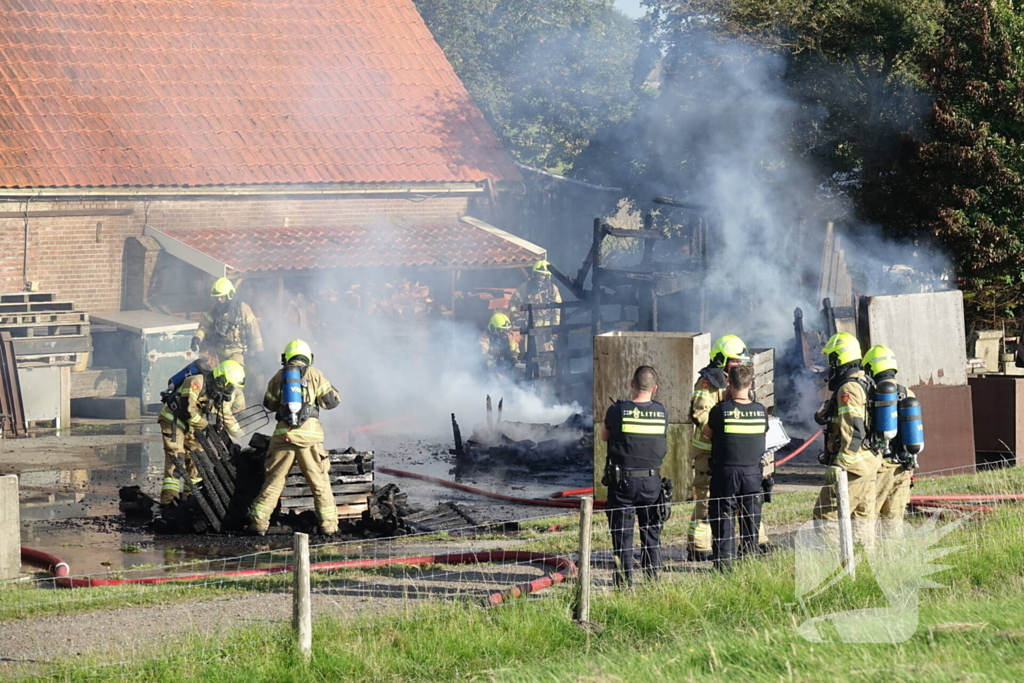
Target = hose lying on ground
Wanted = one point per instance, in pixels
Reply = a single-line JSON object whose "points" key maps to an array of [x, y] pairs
{"points": [[778, 463], [564, 569]]}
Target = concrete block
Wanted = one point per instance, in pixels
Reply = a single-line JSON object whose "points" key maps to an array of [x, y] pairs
{"points": [[948, 430], [107, 407], [10, 528], [987, 348], [927, 333], [99, 382], [677, 357]]}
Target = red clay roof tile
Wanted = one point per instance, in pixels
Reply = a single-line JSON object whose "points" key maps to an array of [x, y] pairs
{"points": [[145, 92], [436, 246]]}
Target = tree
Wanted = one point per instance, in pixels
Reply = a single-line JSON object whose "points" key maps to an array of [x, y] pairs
{"points": [[964, 179], [545, 73]]}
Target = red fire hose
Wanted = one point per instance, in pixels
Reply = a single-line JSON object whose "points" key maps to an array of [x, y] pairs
{"points": [[582, 492], [798, 451], [564, 566]]}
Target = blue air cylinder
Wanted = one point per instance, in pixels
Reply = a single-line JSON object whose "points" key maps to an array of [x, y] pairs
{"points": [[911, 427], [291, 393], [196, 367], [885, 417]]}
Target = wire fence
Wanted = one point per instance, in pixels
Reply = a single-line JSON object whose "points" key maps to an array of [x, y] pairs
{"points": [[211, 610]]}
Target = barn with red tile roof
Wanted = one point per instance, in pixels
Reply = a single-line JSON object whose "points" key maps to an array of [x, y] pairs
{"points": [[244, 137]]}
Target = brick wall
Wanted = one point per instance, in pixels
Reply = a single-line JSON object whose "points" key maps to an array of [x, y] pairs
{"points": [[78, 258], [266, 213], [81, 258]]}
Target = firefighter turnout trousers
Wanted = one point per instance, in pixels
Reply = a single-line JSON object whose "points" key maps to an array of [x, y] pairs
{"points": [[176, 441], [315, 466], [863, 504], [698, 534], [635, 498], [892, 496]]}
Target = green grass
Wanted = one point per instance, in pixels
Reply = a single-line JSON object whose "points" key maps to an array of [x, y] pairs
{"points": [[700, 627]]}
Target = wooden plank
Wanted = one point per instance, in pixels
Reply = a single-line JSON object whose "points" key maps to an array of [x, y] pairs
{"points": [[25, 297], [339, 498], [44, 318], [36, 330], [42, 346], [36, 307], [303, 490], [295, 478]]}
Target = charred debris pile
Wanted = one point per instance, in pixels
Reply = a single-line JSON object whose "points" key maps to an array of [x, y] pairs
{"points": [[233, 476], [535, 447]]}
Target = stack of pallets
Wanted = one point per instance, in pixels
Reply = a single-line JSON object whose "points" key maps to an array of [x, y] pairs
{"points": [[45, 331], [763, 361], [351, 480]]}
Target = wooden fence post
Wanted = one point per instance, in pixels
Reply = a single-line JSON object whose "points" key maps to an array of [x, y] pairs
{"points": [[582, 610], [302, 612], [845, 524]]}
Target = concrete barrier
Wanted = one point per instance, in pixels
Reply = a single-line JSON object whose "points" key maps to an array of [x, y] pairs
{"points": [[927, 333], [10, 528]]}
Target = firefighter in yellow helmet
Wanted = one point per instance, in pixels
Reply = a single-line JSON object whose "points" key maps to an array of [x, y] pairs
{"points": [[710, 389], [844, 416], [197, 395], [229, 328], [539, 289], [892, 490], [296, 395], [498, 345]]}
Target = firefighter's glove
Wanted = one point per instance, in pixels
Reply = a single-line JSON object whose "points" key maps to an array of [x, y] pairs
{"points": [[832, 475], [195, 344], [824, 413]]}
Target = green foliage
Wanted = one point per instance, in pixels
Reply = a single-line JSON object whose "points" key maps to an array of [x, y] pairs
{"points": [[545, 73], [966, 172]]}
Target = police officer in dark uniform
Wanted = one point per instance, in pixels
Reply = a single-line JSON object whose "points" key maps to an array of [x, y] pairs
{"points": [[736, 429], [635, 432]]}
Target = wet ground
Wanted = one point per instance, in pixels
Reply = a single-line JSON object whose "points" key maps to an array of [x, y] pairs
{"points": [[69, 492]]}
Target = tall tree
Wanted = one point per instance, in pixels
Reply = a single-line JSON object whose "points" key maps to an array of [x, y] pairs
{"points": [[964, 181], [545, 73]]}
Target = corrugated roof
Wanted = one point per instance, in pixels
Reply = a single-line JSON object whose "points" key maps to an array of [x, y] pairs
{"points": [[448, 246], [164, 92]]}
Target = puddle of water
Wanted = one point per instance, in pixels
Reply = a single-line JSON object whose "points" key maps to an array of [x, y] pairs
{"points": [[74, 515]]}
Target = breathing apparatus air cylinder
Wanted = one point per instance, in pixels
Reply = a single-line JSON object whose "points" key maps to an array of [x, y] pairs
{"points": [[292, 395], [196, 367], [911, 428], [885, 421]]}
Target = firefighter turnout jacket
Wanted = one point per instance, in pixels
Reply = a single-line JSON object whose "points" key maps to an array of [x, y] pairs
{"points": [[231, 328], [709, 391], [499, 349], [845, 418], [317, 393], [533, 292], [192, 405]]}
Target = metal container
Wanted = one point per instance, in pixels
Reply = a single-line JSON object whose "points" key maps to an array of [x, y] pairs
{"points": [[151, 346]]}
